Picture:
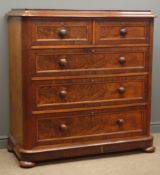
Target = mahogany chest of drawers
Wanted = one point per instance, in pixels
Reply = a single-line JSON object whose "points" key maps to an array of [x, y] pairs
{"points": [[80, 83]]}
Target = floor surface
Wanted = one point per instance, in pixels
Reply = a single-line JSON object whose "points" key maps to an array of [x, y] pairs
{"points": [[132, 163]]}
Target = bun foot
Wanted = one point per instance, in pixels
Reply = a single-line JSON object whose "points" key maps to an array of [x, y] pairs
{"points": [[149, 149], [25, 164]]}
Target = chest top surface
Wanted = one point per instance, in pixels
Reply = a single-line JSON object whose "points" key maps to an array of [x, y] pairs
{"points": [[79, 13]]}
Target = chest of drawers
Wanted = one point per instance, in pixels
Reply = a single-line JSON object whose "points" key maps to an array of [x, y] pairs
{"points": [[80, 83]]}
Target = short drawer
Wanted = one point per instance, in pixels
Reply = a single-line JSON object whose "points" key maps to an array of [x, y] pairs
{"points": [[83, 92], [67, 62], [92, 125], [108, 32], [61, 32]]}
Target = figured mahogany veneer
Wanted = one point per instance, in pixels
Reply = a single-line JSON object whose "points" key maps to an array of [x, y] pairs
{"points": [[90, 125], [77, 92], [52, 31], [122, 32], [84, 61], [80, 83]]}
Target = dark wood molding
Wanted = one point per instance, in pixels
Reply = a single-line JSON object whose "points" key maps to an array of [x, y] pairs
{"points": [[49, 153], [80, 13]]}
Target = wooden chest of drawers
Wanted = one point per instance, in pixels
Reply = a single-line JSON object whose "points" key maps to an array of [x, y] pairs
{"points": [[80, 83]]}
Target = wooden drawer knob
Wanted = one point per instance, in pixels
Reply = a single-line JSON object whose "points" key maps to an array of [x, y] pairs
{"points": [[62, 32], [120, 121], [63, 93], [121, 90], [62, 62], [123, 32], [122, 60], [63, 127]]}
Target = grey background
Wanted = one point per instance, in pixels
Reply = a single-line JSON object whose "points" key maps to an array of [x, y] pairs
{"points": [[6, 5]]}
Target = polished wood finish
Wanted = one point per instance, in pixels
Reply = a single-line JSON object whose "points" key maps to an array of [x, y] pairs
{"points": [[15, 73], [80, 83], [77, 92], [89, 125], [122, 32], [80, 13], [25, 164], [61, 32], [150, 149], [60, 62]]}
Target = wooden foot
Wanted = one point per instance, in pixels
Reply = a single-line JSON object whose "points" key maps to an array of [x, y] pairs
{"points": [[25, 164], [149, 149]]}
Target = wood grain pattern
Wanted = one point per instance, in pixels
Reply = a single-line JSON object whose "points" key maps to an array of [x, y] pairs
{"points": [[80, 83], [81, 13], [15, 73], [150, 73], [48, 32], [92, 125], [109, 32], [83, 61], [89, 91], [42, 47]]}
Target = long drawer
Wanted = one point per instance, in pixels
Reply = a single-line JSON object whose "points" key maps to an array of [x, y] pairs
{"points": [[84, 92], [92, 125], [58, 62]]}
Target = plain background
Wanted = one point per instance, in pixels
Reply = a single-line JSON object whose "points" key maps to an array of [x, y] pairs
{"points": [[6, 5]]}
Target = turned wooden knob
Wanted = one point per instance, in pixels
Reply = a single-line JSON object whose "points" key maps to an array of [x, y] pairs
{"points": [[63, 127], [121, 90], [62, 62], [63, 93], [120, 121], [62, 32], [123, 32], [122, 60]]}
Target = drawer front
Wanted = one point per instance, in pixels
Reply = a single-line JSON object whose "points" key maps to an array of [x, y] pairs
{"points": [[108, 32], [94, 124], [61, 32], [80, 92], [82, 61]]}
